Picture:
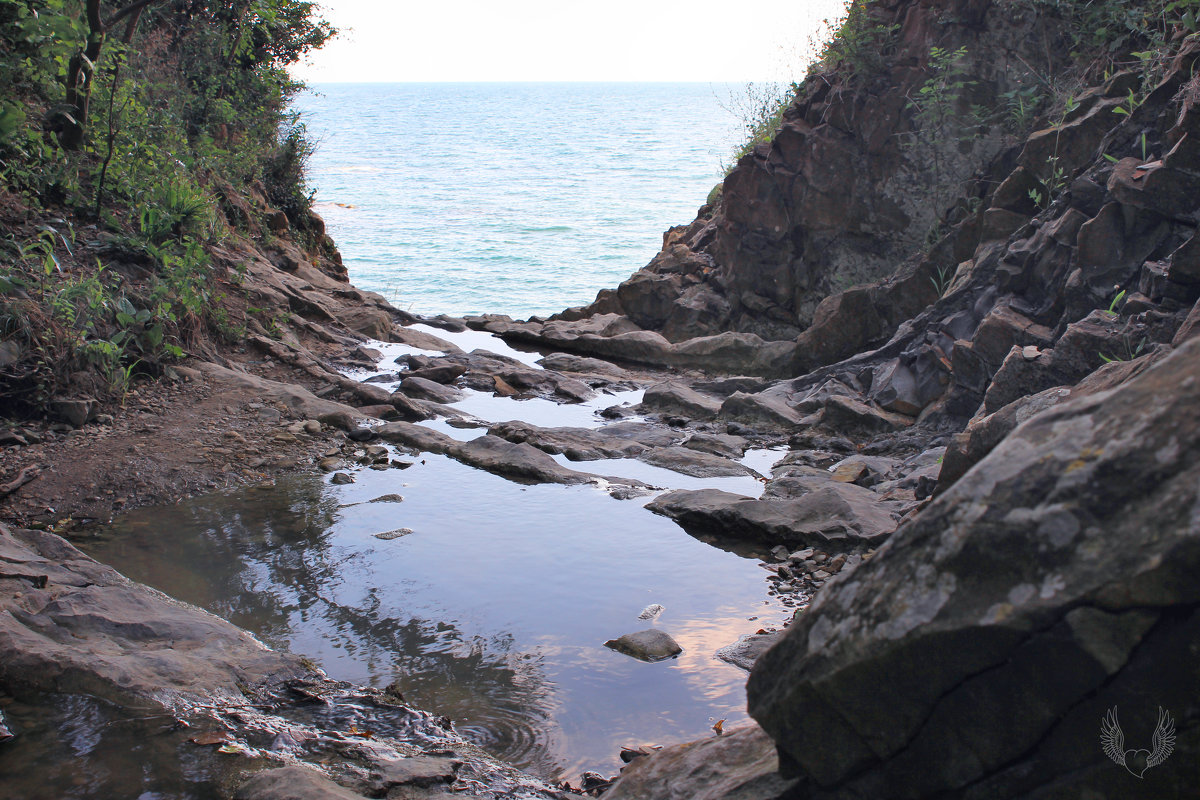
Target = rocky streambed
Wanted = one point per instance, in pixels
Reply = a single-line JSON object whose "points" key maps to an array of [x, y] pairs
{"points": [[471, 553]]}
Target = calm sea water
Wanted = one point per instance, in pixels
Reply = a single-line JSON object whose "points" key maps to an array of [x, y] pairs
{"points": [[511, 198]]}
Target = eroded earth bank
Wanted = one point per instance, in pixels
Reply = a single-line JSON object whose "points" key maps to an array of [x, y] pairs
{"points": [[960, 350]]}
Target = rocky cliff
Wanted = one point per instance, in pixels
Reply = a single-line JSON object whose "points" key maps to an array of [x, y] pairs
{"points": [[1026, 295]]}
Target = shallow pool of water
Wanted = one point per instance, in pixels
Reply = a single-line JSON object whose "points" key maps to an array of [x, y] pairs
{"points": [[493, 610], [76, 747]]}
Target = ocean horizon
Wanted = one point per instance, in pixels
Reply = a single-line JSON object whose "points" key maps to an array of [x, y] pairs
{"points": [[514, 198]]}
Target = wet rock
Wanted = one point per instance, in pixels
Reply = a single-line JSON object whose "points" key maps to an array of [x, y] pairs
{"points": [[676, 398], [439, 372], [651, 611], [292, 783], [515, 460], [387, 536], [834, 512], [566, 362], [422, 340], [648, 645], [341, 478], [746, 650], [763, 408], [719, 444], [408, 409], [578, 444], [420, 771], [630, 753], [693, 462], [416, 437], [87, 629], [423, 389], [547, 383], [644, 433], [5, 733], [897, 675], [740, 765], [367, 355], [361, 434]]}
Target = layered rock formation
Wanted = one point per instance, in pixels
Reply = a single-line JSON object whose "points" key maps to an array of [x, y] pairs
{"points": [[1046, 336]]}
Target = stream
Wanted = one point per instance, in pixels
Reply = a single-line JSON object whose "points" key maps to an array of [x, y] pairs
{"points": [[491, 600]]}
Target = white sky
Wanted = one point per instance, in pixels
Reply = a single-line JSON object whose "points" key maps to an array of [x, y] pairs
{"points": [[567, 40]]}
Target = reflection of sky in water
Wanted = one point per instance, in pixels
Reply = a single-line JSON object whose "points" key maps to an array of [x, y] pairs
{"points": [[76, 747], [493, 610]]}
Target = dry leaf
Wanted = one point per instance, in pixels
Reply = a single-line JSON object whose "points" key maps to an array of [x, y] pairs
{"points": [[211, 737]]}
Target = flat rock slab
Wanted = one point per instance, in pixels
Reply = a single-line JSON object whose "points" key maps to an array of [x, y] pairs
{"points": [[648, 645], [577, 444], [741, 765], [293, 783], [419, 388], [422, 771], [515, 460], [83, 627], [746, 650], [422, 340], [301, 403], [822, 516], [675, 398], [693, 462]]}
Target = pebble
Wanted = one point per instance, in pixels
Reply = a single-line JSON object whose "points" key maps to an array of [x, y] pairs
{"points": [[651, 611], [396, 534]]}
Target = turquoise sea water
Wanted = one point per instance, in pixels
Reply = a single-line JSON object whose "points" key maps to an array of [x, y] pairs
{"points": [[510, 198]]}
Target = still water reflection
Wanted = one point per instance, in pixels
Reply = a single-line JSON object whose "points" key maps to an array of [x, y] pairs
{"points": [[492, 611]]}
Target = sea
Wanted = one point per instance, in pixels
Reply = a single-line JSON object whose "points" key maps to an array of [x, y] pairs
{"points": [[511, 198]]}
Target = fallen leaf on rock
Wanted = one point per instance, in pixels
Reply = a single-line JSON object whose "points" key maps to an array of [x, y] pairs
{"points": [[212, 737]]}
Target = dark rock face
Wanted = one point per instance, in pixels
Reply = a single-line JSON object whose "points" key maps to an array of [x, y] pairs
{"points": [[833, 200], [977, 653]]}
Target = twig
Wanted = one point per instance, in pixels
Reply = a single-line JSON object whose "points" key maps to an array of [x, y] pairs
{"points": [[24, 477]]}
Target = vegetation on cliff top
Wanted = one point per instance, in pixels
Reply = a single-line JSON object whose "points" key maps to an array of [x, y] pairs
{"points": [[124, 129], [1106, 36]]}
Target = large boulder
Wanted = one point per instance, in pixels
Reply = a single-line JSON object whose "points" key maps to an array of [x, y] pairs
{"points": [[70, 624], [977, 654]]}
